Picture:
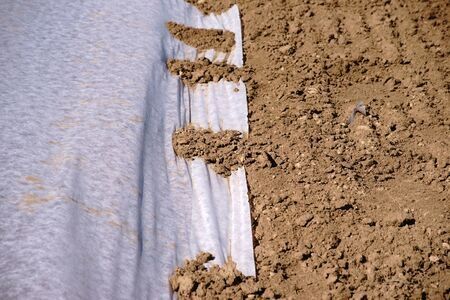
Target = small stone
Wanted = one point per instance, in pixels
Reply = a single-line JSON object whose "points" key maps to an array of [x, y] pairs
{"points": [[334, 242], [371, 276], [268, 294], [266, 160], [347, 165], [392, 84], [288, 49], [342, 40], [305, 219], [434, 258], [304, 254], [343, 204], [332, 278], [368, 221], [399, 219], [446, 246], [360, 296], [360, 258], [294, 27], [272, 162], [394, 261]]}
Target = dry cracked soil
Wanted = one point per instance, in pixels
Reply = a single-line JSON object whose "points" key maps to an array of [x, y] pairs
{"points": [[352, 210]]}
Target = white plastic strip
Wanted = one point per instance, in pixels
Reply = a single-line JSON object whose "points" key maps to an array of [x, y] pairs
{"points": [[221, 213]]}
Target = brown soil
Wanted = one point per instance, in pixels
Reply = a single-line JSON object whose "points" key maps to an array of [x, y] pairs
{"points": [[195, 281], [203, 39], [204, 71], [359, 210], [224, 150], [212, 6]]}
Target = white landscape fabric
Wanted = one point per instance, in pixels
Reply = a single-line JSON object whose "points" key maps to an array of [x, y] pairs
{"points": [[220, 205], [94, 204]]}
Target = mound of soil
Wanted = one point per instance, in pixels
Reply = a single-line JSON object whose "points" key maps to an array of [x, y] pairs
{"points": [[344, 209]]}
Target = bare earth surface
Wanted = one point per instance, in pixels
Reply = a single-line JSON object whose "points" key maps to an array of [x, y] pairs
{"points": [[340, 211]]}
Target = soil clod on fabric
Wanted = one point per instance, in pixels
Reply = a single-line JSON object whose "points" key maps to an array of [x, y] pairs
{"points": [[203, 39], [203, 71], [195, 281], [340, 211], [223, 150]]}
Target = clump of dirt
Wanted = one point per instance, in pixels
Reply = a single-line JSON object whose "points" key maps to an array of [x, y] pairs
{"points": [[223, 150], [203, 39], [208, 7], [359, 210], [195, 281], [226, 150], [204, 71]]}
